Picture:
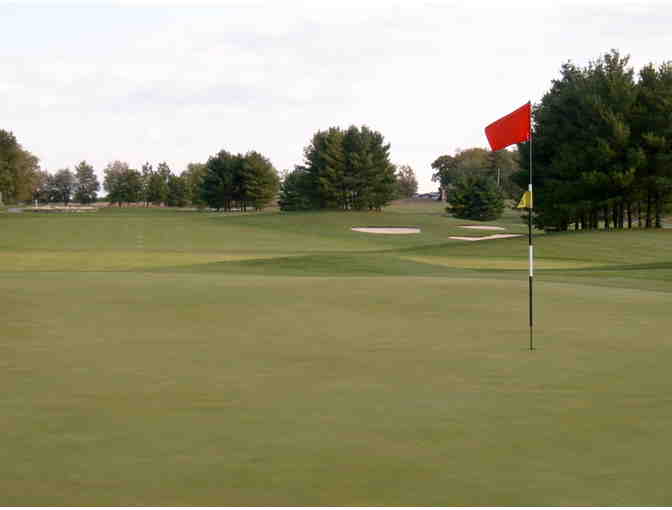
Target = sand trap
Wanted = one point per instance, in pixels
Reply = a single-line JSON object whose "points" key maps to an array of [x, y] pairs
{"points": [[52, 208], [486, 238], [387, 230], [482, 227]]}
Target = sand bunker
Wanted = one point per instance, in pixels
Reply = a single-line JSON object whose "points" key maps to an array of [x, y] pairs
{"points": [[482, 227], [486, 238], [52, 208], [387, 230]]}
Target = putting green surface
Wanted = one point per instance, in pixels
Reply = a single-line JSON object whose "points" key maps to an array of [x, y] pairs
{"points": [[282, 360]]}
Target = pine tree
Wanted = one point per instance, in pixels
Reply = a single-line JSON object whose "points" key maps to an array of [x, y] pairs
{"points": [[475, 197], [261, 180], [176, 195], [86, 184], [218, 187], [652, 129], [295, 190]]}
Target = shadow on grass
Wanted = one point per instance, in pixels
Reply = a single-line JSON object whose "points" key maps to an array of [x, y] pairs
{"points": [[333, 264]]}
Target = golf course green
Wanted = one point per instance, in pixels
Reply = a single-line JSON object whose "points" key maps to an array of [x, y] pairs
{"points": [[163, 357]]}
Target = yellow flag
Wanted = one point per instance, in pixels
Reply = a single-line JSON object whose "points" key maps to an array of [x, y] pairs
{"points": [[526, 201]]}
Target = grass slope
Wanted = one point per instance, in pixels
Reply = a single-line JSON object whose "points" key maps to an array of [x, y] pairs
{"points": [[171, 358]]}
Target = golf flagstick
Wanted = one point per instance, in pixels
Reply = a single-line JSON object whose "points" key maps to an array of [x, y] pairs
{"points": [[516, 127]]}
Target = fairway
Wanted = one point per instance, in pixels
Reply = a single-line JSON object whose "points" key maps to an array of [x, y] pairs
{"points": [[161, 357]]}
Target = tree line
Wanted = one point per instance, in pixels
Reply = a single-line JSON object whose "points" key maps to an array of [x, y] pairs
{"points": [[602, 147], [344, 169], [150, 186]]}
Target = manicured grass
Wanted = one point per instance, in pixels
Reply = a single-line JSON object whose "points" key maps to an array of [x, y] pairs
{"points": [[171, 358]]}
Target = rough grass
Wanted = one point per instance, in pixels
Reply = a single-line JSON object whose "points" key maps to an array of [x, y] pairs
{"points": [[278, 359]]}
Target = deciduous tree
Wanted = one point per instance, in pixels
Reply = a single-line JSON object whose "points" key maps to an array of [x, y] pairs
{"points": [[407, 183], [193, 177], [123, 184], [18, 169], [63, 186]]}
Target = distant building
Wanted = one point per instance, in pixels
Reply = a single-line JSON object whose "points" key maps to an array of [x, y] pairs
{"points": [[435, 195]]}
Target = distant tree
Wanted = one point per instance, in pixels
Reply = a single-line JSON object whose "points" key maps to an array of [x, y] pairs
{"points": [[325, 163], [475, 197], [146, 176], [86, 184], [500, 165], [407, 183], [348, 169], [236, 180], [651, 131], [63, 186], [41, 185], [18, 170], [177, 191], [445, 171], [369, 180], [158, 184], [587, 149], [295, 190], [123, 184], [503, 165], [193, 177], [260, 181], [218, 184]]}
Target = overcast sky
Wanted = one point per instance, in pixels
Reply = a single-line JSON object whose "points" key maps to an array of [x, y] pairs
{"points": [[163, 82]]}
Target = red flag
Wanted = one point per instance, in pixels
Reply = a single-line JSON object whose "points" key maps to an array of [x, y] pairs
{"points": [[512, 128]]}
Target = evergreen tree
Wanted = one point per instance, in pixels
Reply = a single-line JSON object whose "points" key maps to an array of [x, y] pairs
{"points": [[62, 186], [601, 147], [652, 130], [476, 197], [348, 170], [295, 190], [238, 181], [325, 163], [193, 177], [176, 195], [219, 181], [86, 184], [261, 180]]}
